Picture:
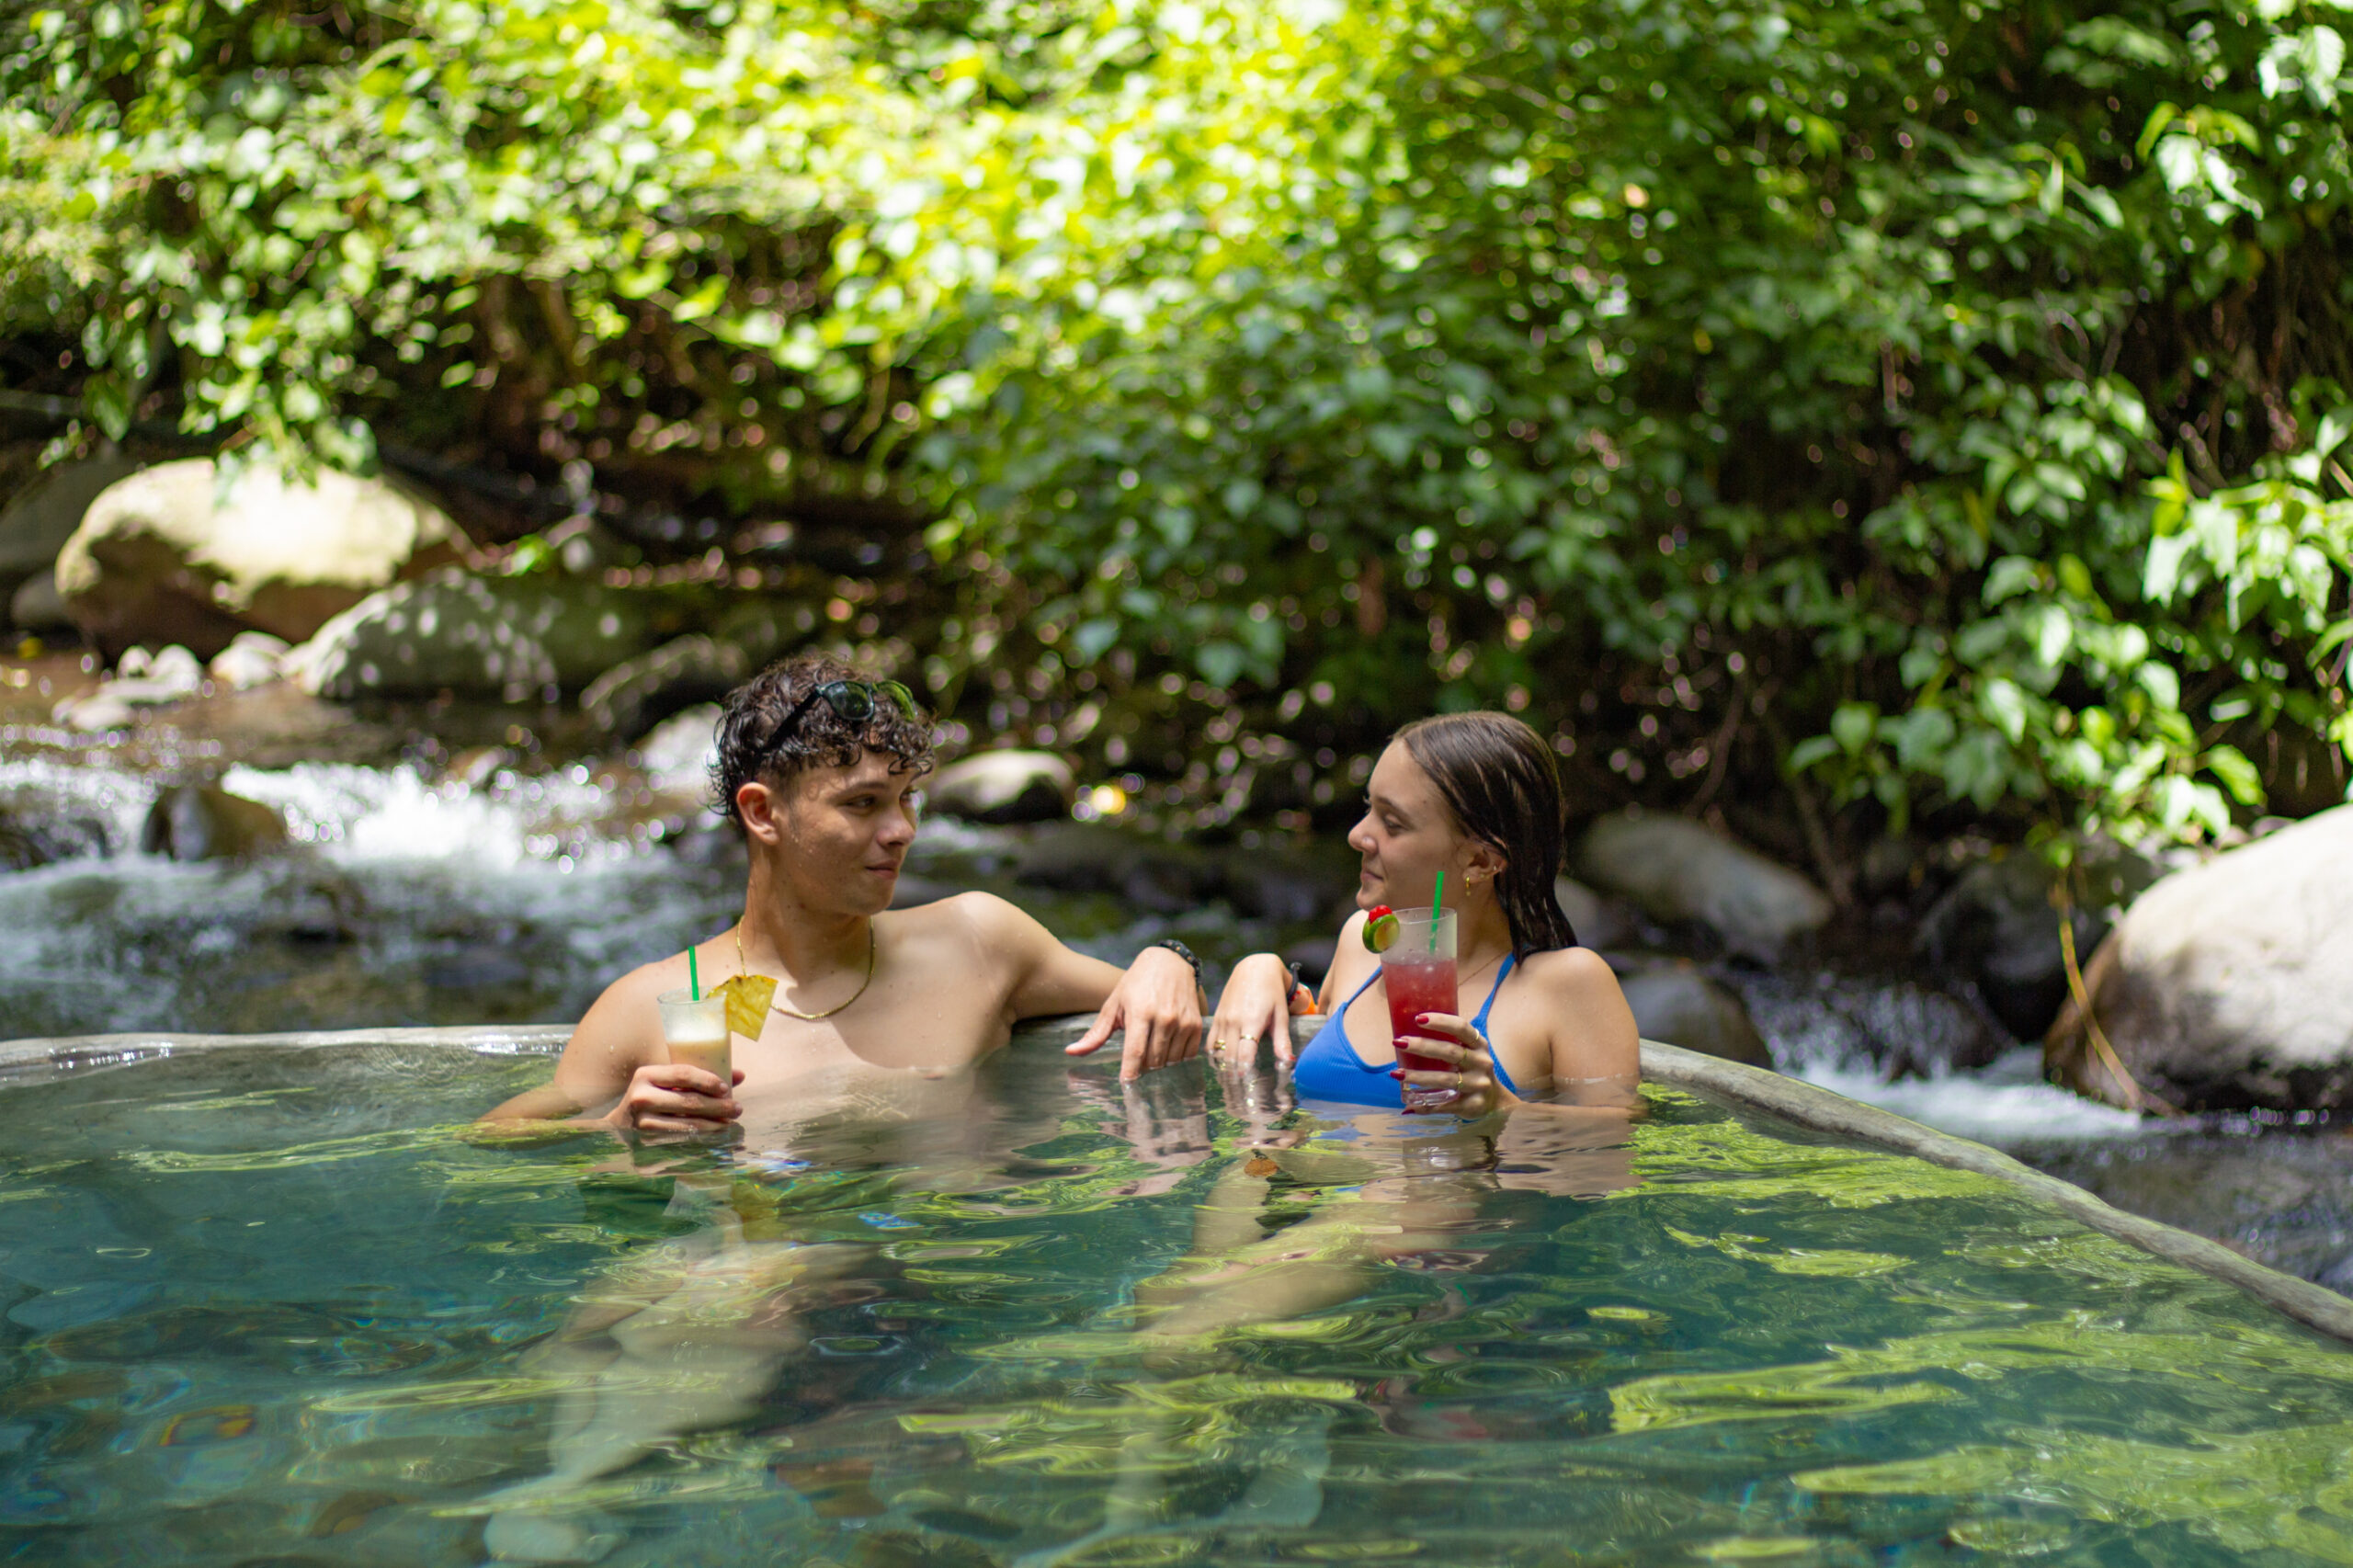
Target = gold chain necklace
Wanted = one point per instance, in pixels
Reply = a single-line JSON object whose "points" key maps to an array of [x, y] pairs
{"points": [[796, 1013]]}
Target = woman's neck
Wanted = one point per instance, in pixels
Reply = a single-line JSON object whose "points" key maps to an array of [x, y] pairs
{"points": [[1482, 933]]}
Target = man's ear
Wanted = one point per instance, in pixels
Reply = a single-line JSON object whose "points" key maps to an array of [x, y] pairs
{"points": [[756, 804]]}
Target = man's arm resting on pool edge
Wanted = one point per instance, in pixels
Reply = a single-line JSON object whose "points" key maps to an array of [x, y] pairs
{"points": [[614, 1066], [1156, 1000]]}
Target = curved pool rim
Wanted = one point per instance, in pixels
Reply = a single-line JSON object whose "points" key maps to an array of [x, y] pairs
{"points": [[1790, 1099]]}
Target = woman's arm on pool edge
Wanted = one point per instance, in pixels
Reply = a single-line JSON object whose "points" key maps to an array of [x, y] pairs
{"points": [[1260, 999]]}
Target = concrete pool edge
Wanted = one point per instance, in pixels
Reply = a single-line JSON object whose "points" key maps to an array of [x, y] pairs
{"points": [[1791, 1099]]}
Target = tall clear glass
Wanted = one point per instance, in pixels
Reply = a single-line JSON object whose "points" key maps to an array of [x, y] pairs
{"points": [[696, 1032], [1417, 972]]}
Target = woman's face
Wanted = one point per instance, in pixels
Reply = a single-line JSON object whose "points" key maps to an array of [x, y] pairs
{"points": [[1406, 838]]}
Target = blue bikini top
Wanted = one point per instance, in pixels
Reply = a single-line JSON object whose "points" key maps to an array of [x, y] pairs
{"points": [[1330, 1069]]}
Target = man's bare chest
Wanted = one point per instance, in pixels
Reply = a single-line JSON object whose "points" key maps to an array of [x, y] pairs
{"points": [[901, 1027]]}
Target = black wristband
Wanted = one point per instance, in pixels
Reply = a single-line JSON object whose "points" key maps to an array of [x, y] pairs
{"points": [[1182, 951]]}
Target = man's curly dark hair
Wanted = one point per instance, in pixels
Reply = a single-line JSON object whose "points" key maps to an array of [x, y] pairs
{"points": [[749, 747]]}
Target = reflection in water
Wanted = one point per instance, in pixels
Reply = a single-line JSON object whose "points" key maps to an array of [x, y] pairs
{"points": [[273, 1307]]}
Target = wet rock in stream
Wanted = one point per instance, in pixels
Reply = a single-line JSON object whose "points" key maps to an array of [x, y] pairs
{"points": [[1677, 1005], [204, 822], [639, 693], [504, 637], [1998, 927], [1004, 786]]}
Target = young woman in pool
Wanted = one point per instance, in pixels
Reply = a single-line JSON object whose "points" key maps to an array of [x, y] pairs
{"points": [[1473, 796], [1545, 1032]]}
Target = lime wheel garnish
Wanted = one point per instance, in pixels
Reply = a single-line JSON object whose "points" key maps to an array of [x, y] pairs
{"points": [[1380, 928]]}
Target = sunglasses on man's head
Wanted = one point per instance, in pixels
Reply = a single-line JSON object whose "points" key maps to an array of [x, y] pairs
{"points": [[853, 701]]}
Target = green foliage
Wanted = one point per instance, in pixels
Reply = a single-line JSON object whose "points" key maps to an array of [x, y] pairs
{"points": [[1957, 391]]}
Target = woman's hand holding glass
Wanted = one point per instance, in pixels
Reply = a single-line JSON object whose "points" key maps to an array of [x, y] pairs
{"points": [[1470, 1070]]}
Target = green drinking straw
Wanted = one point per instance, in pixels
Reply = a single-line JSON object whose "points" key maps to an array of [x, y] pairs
{"points": [[694, 977], [1438, 908]]}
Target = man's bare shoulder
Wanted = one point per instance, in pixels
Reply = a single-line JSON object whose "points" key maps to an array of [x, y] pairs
{"points": [[983, 920], [624, 1015], [646, 982]]}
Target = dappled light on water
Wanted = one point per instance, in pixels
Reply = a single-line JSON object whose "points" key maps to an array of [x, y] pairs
{"points": [[287, 1305]]}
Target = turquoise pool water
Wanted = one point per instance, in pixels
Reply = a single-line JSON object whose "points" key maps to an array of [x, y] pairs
{"points": [[271, 1308]]}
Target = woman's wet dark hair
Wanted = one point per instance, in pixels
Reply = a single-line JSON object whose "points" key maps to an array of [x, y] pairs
{"points": [[749, 747], [1498, 778]]}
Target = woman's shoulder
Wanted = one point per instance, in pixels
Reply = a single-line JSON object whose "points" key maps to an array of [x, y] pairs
{"points": [[1571, 970]]}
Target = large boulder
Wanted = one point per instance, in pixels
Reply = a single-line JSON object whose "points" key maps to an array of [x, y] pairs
{"points": [[1676, 1004], [1004, 786], [1679, 871], [639, 693], [510, 638], [1998, 928], [40, 517], [167, 556], [2229, 984]]}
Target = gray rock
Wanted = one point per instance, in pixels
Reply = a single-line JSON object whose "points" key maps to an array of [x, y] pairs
{"points": [[176, 670], [138, 691], [1155, 876], [1997, 927], [40, 517], [251, 659], [677, 754], [1678, 1004], [510, 638], [40, 835], [1289, 882], [2229, 985], [204, 822], [35, 606], [1598, 921], [139, 681], [1004, 786], [639, 692], [95, 712], [1679, 871], [167, 556]]}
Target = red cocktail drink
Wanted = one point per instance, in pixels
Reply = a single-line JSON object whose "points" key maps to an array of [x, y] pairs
{"points": [[1417, 972]]}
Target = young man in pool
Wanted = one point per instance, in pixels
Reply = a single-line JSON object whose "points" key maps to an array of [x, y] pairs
{"points": [[819, 769], [877, 1012]]}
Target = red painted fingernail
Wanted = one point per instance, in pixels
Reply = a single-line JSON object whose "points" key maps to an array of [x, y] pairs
{"points": [[1397, 1073]]}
